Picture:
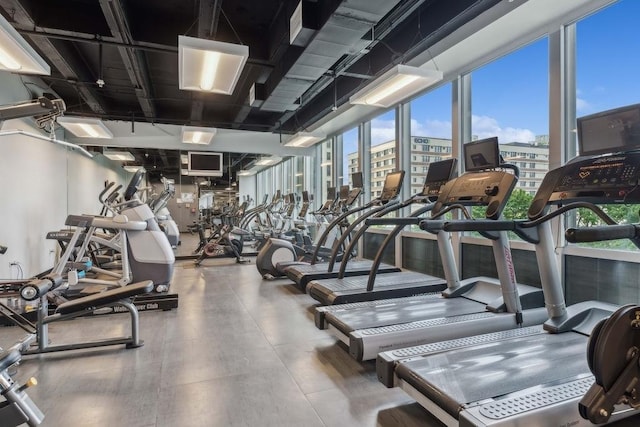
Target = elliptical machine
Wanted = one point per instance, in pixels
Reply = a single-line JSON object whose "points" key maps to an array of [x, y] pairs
{"points": [[283, 252]]}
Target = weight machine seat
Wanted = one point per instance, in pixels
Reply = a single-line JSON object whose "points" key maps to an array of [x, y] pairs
{"points": [[8, 358], [104, 298]]}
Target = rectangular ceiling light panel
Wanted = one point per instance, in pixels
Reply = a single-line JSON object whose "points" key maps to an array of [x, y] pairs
{"points": [[268, 161], [16, 55], [209, 65], [396, 85], [84, 127], [246, 172], [304, 139], [197, 135], [121, 156]]}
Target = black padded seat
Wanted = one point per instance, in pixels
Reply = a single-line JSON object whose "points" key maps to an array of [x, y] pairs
{"points": [[104, 298]]}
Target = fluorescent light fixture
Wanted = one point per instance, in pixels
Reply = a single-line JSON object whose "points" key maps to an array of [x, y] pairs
{"points": [[209, 65], [84, 127], [184, 159], [268, 161], [132, 168], [395, 85], [196, 135], [299, 174], [246, 173], [121, 156], [17, 55], [304, 139], [325, 164]]}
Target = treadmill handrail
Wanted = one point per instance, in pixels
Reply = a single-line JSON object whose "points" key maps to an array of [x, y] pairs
{"points": [[363, 229], [333, 224], [600, 233], [337, 245], [377, 260]]}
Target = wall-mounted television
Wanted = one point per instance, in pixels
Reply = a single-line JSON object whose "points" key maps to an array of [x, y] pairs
{"points": [[205, 164]]}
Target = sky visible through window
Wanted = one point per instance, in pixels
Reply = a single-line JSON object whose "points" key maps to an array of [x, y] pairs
{"points": [[510, 94]]}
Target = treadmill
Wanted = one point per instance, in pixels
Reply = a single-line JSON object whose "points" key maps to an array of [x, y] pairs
{"points": [[537, 380], [467, 307], [303, 274]]}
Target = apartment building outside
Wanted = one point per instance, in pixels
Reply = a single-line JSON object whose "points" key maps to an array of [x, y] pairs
{"points": [[532, 160]]}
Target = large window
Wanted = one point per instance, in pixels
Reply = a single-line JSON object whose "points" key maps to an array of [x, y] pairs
{"points": [[383, 150], [325, 159], [350, 157], [430, 134], [607, 77], [510, 100]]}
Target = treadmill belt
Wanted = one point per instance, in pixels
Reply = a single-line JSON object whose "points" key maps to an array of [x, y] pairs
{"points": [[388, 280], [430, 307], [363, 264], [455, 378]]}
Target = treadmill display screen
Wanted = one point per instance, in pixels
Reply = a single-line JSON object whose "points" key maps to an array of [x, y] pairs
{"points": [[331, 193], [392, 185], [482, 154], [439, 174], [344, 192], [440, 171], [609, 131], [356, 180]]}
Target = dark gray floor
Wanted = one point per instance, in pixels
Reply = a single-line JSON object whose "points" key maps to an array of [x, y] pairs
{"points": [[237, 352]]}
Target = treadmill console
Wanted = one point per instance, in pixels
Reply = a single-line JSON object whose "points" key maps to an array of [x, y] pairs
{"points": [[605, 180], [392, 186], [439, 174], [490, 188]]}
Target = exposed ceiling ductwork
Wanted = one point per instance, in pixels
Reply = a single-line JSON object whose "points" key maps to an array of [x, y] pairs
{"points": [[341, 34]]}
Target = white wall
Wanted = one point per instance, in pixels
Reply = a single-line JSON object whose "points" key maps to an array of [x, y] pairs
{"points": [[40, 184]]}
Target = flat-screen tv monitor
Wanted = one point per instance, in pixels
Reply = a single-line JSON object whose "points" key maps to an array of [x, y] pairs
{"points": [[344, 192], [438, 174], [609, 131], [481, 154], [392, 185], [205, 164], [331, 193], [356, 180]]}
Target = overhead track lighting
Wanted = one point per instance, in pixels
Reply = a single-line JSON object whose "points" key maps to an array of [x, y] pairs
{"points": [[84, 127], [16, 55], [396, 85], [209, 65], [304, 139], [198, 135]]}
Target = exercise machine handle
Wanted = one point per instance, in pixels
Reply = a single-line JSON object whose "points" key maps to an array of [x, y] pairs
{"points": [[600, 233], [39, 287]]}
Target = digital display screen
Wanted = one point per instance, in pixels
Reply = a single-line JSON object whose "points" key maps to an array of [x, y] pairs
{"points": [[481, 154], [344, 192], [393, 183], [331, 193], [440, 171], [609, 131], [356, 180], [205, 164]]}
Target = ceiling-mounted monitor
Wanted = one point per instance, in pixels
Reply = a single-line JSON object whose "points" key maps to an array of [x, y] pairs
{"points": [[205, 164], [609, 131], [482, 154]]}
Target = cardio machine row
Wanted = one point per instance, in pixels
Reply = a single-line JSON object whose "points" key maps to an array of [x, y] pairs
{"points": [[542, 362]]}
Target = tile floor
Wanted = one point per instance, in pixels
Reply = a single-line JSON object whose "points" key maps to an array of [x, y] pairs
{"points": [[237, 352]]}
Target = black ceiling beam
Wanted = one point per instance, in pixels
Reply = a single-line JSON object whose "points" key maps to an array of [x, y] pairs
{"points": [[60, 60], [134, 61]]}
